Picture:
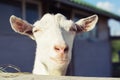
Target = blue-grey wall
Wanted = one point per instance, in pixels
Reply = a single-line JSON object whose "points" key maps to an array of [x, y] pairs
{"points": [[17, 50], [92, 58]]}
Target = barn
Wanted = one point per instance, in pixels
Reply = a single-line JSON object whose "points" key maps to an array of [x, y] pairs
{"points": [[91, 51]]}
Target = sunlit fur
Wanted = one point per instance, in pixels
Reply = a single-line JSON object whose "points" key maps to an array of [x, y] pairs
{"points": [[51, 33]]}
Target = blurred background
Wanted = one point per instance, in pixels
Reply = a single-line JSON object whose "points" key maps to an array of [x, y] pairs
{"points": [[95, 53]]}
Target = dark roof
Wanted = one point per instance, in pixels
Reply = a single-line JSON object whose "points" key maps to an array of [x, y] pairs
{"points": [[86, 6]]}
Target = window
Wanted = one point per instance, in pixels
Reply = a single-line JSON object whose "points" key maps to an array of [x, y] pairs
{"points": [[32, 12], [114, 26], [29, 11], [8, 8]]}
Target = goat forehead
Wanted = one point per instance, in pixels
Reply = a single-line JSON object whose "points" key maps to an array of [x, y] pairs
{"points": [[51, 25], [50, 20]]}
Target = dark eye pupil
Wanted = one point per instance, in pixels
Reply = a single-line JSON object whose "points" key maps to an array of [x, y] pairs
{"points": [[36, 30]]}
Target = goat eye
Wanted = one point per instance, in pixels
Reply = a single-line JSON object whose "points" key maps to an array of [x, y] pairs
{"points": [[36, 30]]}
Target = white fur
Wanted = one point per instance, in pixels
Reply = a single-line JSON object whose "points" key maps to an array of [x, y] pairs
{"points": [[45, 45], [50, 31]]}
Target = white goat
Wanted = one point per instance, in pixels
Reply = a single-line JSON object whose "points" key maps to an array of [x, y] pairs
{"points": [[54, 36]]}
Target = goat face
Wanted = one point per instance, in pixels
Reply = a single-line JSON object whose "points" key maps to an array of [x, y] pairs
{"points": [[54, 42], [54, 36]]}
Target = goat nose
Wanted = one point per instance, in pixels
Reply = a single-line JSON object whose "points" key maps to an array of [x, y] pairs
{"points": [[61, 48]]}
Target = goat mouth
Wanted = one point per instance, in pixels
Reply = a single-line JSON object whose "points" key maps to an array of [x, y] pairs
{"points": [[60, 61]]}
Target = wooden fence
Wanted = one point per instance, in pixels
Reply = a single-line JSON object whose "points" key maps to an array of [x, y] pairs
{"points": [[27, 76]]}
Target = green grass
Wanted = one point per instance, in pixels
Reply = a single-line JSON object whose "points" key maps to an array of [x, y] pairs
{"points": [[115, 50], [115, 57]]}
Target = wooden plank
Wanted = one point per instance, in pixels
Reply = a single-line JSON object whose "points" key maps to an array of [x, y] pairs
{"points": [[27, 76]]}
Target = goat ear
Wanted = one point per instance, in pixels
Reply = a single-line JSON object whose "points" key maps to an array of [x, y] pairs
{"points": [[21, 26], [85, 24]]}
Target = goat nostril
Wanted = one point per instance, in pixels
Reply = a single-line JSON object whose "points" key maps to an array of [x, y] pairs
{"points": [[61, 49], [66, 49]]}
